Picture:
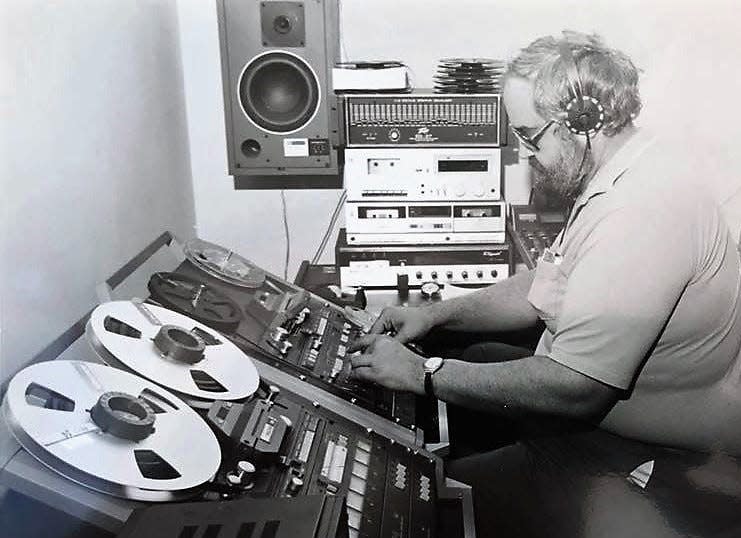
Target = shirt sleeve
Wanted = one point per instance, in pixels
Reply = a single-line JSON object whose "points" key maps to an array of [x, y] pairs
{"points": [[628, 275]]}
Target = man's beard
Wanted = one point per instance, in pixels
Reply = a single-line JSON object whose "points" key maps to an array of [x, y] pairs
{"points": [[559, 185]]}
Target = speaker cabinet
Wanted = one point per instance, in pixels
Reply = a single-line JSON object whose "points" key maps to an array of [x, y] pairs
{"points": [[280, 110]]}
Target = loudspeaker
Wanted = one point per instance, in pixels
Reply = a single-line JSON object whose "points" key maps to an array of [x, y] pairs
{"points": [[280, 110]]}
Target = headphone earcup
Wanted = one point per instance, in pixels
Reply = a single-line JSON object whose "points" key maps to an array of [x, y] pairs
{"points": [[584, 115]]}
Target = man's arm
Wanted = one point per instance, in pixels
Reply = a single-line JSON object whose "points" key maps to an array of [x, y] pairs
{"points": [[501, 307], [530, 385]]}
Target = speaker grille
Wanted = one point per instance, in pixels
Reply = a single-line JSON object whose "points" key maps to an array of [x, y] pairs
{"points": [[279, 92]]}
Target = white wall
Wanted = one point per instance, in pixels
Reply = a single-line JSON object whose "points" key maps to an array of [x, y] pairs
{"points": [[95, 160], [686, 49]]}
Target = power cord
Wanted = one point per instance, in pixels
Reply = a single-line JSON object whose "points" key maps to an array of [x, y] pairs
{"points": [[288, 235], [330, 228]]}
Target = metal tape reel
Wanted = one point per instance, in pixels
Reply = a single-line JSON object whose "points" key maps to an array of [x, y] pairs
{"points": [[197, 300], [223, 264], [172, 350], [50, 409]]}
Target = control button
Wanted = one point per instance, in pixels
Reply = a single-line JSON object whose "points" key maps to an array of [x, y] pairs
{"points": [[295, 485], [394, 135], [494, 272], [418, 274], [480, 273], [433, 274], [243, 476], [464, 274], [449, 274]]}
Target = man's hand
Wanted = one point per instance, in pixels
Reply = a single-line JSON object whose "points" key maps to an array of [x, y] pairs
{"points": [[406, 324], [388, 362]]}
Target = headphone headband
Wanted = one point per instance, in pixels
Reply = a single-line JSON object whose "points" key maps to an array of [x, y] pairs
{"points": [[585, 115]]}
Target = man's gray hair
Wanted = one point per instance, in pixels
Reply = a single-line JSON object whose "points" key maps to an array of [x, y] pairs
{"points": [[605, 74]]}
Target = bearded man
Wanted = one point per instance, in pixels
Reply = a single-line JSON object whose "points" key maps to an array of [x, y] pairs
{"points": [[627, 412]]}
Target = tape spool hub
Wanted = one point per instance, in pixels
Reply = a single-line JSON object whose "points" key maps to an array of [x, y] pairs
{"points": [[123, 415], [179, 344]]}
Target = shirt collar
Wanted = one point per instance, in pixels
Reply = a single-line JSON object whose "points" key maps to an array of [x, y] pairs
{"points": [[619, 163]]}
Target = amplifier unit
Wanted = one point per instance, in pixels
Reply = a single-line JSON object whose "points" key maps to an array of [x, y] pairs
{"points": [[424, 119], [380, 265], [382, 174], [425, 222]]}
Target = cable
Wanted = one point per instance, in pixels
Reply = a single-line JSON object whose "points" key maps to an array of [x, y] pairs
{"points": [[343, 49], [330, 228], [288, 235]]}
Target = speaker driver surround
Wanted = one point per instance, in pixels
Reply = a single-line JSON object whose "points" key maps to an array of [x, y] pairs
{"points": [[279, 92]]}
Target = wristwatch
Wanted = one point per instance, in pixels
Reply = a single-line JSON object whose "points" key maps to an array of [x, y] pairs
{"points": [[432, 365]]}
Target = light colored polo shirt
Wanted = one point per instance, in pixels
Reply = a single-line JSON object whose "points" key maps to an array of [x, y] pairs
{"points": [[643, 295]]}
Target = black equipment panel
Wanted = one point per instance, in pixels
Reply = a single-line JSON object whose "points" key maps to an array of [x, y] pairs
{"points": [[305, 335], [316, 516], [279, 444], [532, 231]]}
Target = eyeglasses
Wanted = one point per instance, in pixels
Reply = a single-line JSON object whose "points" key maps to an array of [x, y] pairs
{"points": [[531, 142]]}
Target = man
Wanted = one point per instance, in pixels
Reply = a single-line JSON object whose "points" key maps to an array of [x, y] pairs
{"points": [[637, 370]]}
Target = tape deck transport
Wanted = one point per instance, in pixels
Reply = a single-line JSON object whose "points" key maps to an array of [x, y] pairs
{"points": [[187, 411]]}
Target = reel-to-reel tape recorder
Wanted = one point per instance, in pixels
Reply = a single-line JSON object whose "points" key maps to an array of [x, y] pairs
{"points": [[296, 330], [179, 409]]}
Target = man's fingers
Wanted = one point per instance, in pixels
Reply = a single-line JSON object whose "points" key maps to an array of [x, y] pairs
{"points": [[362, 343], [360, 361], [379, 326], [362, 373]]}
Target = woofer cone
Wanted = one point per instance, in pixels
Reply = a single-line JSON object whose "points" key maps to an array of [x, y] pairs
{"points": [[279, 92]]}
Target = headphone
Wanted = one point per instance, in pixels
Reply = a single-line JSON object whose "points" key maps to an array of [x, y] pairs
{"points": [[585, 115]]}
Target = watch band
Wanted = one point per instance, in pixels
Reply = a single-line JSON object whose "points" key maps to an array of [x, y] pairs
{"points": [[432, 365], [428, 385]]}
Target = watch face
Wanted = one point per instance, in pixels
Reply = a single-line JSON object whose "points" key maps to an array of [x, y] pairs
{"points": [[433, 364]]}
